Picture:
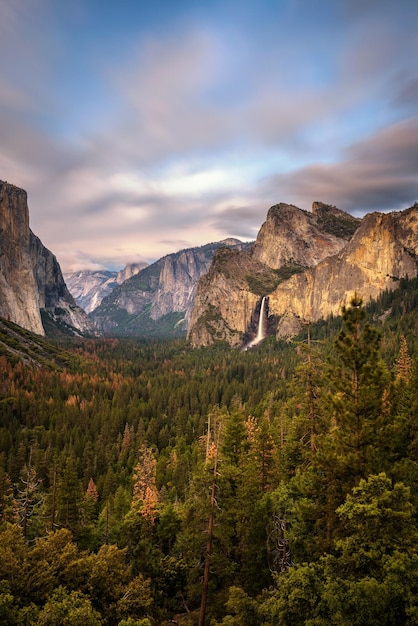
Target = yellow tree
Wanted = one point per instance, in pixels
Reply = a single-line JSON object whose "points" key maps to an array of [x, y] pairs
{"points": [[145, 493], [403, 363]]}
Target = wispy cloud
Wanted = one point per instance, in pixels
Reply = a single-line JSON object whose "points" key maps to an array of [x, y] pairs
{"points": [[376, 174], [140, 132]]}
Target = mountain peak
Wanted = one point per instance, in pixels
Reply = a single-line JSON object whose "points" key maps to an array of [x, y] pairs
{"points": [[291, 234], [321, 259], [31, 281]]}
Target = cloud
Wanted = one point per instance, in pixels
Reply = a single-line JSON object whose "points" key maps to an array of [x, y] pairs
{"points": [[196, 126], [405, 90], [160, 101], [377, 173], [204, 89]]}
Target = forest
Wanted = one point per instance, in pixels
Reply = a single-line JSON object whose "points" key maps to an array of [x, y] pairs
{"points": [[146, 483]]}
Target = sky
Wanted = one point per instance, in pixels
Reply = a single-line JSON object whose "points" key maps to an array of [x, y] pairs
{"points": [[142, 127]]}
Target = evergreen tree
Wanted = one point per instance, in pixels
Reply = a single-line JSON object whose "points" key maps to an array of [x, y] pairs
{"points": [[68, 608], [371, 578], [145, 494], [69, 495], [358, 380], [403, 362], [358, 439]]}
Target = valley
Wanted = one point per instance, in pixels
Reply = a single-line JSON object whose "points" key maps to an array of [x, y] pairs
{"points": [[108, 446], [229, 437]]}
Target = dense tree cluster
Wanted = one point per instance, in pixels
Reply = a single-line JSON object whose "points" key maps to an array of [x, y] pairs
{"points": [[151, 484]]}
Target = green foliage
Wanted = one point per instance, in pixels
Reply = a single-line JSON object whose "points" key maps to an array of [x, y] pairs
{"points": [[289, 269], [264, 283], [66, 608], [169, 326], [371, 577], [315, 491], [261, 284], [338, 225], [358, 381], [242, 610], [18, 344]]}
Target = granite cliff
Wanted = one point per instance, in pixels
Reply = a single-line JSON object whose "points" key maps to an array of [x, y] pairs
{"points": [[33, 293], [383, 250], [320, 260], [159, 298], [291, 235], [89, 287], [307, 263], [19, 297]]}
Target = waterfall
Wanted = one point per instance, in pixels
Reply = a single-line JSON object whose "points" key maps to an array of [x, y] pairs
{"points": [[261, 330], [261, 334]]}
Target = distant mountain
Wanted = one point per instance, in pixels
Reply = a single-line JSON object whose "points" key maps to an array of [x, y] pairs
{"points": [[89, 287], [306, 263], [128, 271], [309, 264], [157, 301], [33, 293]]}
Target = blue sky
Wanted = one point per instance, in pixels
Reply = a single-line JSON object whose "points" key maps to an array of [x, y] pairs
{"points": [[139, 128]]}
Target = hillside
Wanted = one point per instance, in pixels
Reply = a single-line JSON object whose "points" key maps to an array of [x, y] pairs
{"points": [[114, 445], [157, 301], [18, 345]]}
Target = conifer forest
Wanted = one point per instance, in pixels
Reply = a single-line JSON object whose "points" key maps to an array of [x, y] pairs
{"points": [[146, 483]]}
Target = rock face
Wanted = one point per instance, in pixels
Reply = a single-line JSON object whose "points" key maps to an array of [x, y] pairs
{"points": [[89, 287], [382, 251], [158, 299], [128, 271], [227, 298], [31, 282], [290, 235], [19, 297], [331, 254]]}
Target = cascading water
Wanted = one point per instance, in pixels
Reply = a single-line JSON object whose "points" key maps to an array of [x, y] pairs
{"points": [[261, 330]]}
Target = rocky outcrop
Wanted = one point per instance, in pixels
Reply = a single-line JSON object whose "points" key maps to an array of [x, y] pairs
{"points": [[128, 271], [289, 242], [290, 235], [19, 297], [31, 282], [332, 256], [382, 251], [227, 298], [158, 300], [89, 287], [55, 301]]}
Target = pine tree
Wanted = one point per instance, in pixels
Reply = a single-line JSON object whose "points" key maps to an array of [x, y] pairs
{"points": [[8, 508], [356, 443], [358, 380], [69, 495], [211, 462]]}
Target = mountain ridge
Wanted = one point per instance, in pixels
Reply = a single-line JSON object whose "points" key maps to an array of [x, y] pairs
{"points": [[158, 299], [308, 263], [380, 249], [89, 287], [32, 287]]}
